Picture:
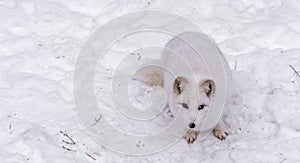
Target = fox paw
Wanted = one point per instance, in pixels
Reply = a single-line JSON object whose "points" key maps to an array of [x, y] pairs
{"points": [[190, 136], [220, 134]]}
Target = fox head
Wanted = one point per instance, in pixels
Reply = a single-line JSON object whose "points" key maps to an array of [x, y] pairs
{"points": [[193, 99]]}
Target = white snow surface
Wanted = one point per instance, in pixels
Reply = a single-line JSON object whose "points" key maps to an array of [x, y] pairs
{"points": [[41, 39]]}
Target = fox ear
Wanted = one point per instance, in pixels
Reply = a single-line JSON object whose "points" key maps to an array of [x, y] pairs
{"points": [[180, 84], [208, 87]]}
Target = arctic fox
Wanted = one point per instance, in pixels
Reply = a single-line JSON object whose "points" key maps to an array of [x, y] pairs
{"points": [[188, 85]]}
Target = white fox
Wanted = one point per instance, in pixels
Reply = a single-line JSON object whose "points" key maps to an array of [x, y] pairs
{"points": [[188, 85]]}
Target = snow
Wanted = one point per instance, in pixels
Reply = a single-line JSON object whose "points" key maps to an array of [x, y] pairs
{"points": [[40, 42]]}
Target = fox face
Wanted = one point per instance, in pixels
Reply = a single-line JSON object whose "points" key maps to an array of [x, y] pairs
{"points": [[192, 99]]}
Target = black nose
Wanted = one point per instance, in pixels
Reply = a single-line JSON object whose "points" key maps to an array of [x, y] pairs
{"points": [[192, 125]]}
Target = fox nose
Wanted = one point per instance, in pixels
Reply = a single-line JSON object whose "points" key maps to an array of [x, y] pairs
{"points": [[192, 125]]}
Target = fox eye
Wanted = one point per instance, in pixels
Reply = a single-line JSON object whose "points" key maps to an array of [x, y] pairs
{"points": [[184, 105], [201, 107]]}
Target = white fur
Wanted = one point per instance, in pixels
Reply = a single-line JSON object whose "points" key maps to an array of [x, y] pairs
{"points": [[187, 65]]}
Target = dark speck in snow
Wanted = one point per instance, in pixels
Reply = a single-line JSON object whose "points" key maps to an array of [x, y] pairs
{"points": [[139, 56]]}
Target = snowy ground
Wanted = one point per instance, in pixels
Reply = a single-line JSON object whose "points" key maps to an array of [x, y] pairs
{"points": [[39, 44]]}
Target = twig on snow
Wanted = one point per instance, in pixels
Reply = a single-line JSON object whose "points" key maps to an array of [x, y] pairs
{"points": [[90, 156], [295, 71], [67, 142], [68, 149], [97, 120]]}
